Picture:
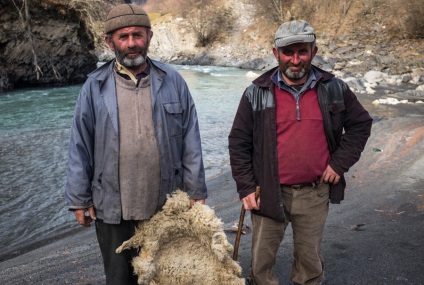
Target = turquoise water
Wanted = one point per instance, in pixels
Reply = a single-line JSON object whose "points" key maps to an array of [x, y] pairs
{"points": [[34, 137]]}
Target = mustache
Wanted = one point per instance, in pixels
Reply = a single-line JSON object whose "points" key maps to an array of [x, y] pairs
{"points": [[132, 50], [300, 64]]}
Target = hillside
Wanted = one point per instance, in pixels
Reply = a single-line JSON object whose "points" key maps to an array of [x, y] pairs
{"points": [[51, 42], [363, 35]]}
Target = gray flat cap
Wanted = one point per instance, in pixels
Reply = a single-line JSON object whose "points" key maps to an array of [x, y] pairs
{"points": [[294, 32]]}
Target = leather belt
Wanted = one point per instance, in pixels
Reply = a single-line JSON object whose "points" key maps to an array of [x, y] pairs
{"points": [[301, 185]]}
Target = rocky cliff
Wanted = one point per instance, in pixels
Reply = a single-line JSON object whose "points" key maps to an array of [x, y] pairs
{"points": [[355, 43], [58, 42], [44, 43]]}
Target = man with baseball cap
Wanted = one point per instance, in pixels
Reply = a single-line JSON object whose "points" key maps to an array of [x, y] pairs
{"points": [[134, 140], [297, 130]]}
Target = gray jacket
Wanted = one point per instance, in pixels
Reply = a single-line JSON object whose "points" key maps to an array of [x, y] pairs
{"points": [[93, 174]]}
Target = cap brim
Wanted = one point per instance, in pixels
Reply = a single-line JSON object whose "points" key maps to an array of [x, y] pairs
{"points": [[282, 42]]}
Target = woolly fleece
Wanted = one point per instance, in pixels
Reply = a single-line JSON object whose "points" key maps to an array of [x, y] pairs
{"points": [[183, 245]]}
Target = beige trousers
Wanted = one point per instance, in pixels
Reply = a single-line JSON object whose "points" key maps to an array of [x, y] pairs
{"points": [[306, 208]]}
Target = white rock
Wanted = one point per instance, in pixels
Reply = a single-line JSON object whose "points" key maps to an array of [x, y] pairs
{"points": [[415, 79], [369, 90], [417, 72], [338, 73], [252, 74], [391, 80], [420, 88], [389, 101], [370, 85], [355, 62], [374, 76], [392, 101]]}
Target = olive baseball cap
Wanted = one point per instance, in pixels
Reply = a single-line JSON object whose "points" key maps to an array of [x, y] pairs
{"points": [[126, 15], [298, 31]]}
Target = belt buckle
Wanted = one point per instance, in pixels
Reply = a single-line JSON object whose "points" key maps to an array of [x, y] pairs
{"points": [[296, 187]]}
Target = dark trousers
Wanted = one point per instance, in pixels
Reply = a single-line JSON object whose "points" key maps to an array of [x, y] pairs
{"points": [[118, 268]]}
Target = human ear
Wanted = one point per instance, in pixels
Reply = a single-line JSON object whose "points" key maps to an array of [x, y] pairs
{"points": [[109, 42], [275, 52]]}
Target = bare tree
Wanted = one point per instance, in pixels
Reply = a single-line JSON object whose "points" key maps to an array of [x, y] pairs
{"points": [[273, 10], [26, 24], [346, 6], [206, 18]]}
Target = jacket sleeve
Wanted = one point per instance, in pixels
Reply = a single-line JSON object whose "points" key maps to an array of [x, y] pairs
{"points": [[356, 124], [192, 160], [80, 163], [240, 145]]}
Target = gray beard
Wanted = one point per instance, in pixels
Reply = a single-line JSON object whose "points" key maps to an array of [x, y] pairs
{"points": [[131, 63], [293, 76]]}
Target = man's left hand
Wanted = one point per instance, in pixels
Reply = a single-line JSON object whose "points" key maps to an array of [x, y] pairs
{"points": [[329, 176]]}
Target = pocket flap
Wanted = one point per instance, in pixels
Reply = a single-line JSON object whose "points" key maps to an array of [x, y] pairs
{"points": [[336, 108], [173, 108]]}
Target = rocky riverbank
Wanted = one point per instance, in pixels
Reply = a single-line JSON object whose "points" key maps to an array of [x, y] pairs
{"points": [[367, 59], [59, 42], [373, 237]]}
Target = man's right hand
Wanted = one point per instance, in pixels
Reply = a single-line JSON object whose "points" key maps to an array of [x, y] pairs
{"points": [[250, 202], [82, 218]]}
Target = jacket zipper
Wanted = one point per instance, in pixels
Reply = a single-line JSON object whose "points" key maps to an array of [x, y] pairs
{"points": [[297, 108]]}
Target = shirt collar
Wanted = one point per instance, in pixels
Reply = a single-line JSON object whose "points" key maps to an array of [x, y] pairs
{"points": [[125, 73], [313, 77]]}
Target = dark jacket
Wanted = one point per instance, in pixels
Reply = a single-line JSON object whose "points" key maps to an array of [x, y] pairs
{"points": [[253, 142], [93, 174]]}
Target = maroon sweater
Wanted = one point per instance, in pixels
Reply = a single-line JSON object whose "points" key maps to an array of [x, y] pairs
{"points": [[302, 146]]}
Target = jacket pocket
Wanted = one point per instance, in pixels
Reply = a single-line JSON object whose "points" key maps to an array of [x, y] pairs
{"points": [[174, 118], [336, 114]]}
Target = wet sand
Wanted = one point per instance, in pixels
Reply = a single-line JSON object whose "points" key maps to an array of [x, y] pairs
{"points": [[375, 236]]}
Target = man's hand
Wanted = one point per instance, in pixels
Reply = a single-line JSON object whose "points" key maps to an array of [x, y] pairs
{"points": [[330, 176], [201, 201], [82, 218], [250, 203]]}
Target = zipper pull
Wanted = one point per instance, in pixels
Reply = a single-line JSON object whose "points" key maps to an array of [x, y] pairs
{"points": [[297, 110]]}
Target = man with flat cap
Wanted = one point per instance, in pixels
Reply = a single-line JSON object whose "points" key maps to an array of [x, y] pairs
{"points": [[134, 139], [297, 130]]}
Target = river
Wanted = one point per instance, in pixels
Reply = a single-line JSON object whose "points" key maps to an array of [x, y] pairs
{"points": [[34, 138]]}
